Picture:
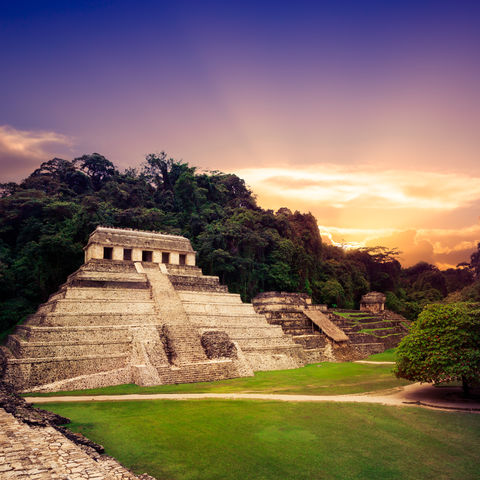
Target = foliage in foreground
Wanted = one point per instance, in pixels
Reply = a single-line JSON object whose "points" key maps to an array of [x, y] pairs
{"points": [[443, 345], [260, 440]]}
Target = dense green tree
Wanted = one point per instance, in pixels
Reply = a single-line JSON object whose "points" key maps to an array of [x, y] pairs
{"points": [[470, 293], [443, 345], [457, 278], [475, 261], [332, 293], [381, 264], [97, 167]]}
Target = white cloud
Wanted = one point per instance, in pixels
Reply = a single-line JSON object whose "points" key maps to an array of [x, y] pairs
{"points": [[21, 151]]}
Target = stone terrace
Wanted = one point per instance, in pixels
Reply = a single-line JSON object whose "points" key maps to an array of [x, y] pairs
{"points": [[327, 335], [370, 332], [287, 311], [210, 308]]}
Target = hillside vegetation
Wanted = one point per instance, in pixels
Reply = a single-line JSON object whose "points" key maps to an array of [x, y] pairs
{"points": [[45, 221]]}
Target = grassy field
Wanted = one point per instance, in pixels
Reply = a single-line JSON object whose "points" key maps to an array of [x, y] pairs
{"points": [[386, 356], [260, 440], [317, 379]]}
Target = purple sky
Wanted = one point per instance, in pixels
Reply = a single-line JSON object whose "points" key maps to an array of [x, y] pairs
{"points": [[365, 113]]}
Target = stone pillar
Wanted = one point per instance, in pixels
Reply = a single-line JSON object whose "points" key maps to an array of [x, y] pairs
{"points": [[117, 253], [190, 259], [136, 254], [157, 256], [174, 258]]}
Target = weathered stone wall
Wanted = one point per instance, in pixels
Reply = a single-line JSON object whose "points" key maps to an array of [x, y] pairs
{"points": [[218, 345]]}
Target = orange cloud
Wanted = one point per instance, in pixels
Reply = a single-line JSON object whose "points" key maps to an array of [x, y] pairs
{"points": [[366, 206], [364, 186], [442, 247]]}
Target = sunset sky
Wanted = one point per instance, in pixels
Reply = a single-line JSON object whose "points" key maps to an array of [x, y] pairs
{"points": [[366, 113]]}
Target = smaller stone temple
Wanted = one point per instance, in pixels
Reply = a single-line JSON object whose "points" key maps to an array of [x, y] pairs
{"points": [[308, 325], [332, 334], [373, 302]]}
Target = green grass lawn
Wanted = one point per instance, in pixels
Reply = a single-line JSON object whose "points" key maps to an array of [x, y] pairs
{"points": [[318, 379], [386, 356], [263, 440]]}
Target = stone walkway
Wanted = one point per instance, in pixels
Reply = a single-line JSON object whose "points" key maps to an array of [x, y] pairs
{"points": [[415, 395], [43, 453], [371, 362]]}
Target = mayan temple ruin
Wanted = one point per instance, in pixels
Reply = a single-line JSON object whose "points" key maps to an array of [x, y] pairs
{"points": [[140, 311]]}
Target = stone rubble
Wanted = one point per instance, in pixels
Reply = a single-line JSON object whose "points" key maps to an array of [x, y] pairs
{"points": [[34, 445], [41, 453]]}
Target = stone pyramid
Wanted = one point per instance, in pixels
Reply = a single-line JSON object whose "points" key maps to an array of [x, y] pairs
{"points": [[140, 311]]}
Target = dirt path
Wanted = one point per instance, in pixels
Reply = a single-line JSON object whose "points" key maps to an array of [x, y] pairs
{"points": [[417, 395]]}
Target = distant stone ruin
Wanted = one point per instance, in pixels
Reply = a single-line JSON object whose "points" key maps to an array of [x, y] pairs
{"points": [[373, 302], [332, 334], [140, 311]]}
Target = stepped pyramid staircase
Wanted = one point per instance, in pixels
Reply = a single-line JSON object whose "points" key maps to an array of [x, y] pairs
{"points": [[117, 322]]}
